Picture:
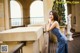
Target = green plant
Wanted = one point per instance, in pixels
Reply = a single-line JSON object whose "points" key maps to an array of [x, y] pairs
{"points": [[58, 5]]}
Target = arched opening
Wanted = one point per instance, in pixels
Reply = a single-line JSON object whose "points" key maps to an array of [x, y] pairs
{"points": [[16, 13], [36, 12]]}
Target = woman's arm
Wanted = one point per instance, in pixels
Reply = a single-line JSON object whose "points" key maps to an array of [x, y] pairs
{"points": [[52, 26]]}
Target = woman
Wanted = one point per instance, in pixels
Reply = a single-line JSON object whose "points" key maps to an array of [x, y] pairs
{"points": [[53, 26]]}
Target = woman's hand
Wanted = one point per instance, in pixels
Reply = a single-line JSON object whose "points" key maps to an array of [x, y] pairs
{"points": [[49, 20], [48, 25]]}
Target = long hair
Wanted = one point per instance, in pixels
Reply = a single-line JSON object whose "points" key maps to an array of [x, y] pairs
{"points": [[55, 14]]}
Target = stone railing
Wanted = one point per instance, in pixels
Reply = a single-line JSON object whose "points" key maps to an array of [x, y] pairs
{"points": [[33, 36]]}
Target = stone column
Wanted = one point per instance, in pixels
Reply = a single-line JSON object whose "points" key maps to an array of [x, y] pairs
{"points": [[7, 13], [47, 8]]}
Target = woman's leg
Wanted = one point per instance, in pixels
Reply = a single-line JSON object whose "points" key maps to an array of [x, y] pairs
{"points": [[62, 46]]}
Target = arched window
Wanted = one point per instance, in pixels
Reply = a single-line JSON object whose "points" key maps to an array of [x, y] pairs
{"points": [[16, 13], [36, 12]]}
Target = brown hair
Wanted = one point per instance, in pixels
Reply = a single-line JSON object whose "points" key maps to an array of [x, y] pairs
{"points": [[54, 13]]}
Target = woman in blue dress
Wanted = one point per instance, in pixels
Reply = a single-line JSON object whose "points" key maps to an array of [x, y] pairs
{"points": [[53, 26]]}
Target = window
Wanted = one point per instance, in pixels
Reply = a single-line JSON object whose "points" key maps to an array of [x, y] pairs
{"points": [[36, 12], [16, 13]]}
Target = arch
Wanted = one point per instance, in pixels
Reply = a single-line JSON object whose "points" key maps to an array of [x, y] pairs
{"points": [[36, 12], [16, 12]]}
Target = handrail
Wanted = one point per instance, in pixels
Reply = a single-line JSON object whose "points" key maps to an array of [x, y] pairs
{"points": [[18, 48]]}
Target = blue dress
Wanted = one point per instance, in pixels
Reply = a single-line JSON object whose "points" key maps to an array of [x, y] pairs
{"points": [[62, 41]]}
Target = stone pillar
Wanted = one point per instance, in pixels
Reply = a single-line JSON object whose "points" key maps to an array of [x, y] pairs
{"points": [[7, 13], [47, 8], [2, 27]]}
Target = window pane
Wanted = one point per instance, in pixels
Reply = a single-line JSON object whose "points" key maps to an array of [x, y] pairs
{"points": [[16, 14], [36, 12]]}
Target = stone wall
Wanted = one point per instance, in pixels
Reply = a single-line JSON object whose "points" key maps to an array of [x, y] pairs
{"points": [[75, 19]]}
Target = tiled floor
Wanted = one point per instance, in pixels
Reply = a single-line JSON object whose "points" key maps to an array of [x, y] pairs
{"points": [[74, 46]]}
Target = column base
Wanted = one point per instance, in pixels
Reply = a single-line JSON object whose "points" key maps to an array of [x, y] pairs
{"points": [[69, 37]]}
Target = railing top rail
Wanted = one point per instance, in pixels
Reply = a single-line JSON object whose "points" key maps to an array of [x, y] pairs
{"points": [[18, 47]]}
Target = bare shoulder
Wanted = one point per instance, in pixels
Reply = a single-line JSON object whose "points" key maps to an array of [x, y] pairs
{"points": [[56, 22]]}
